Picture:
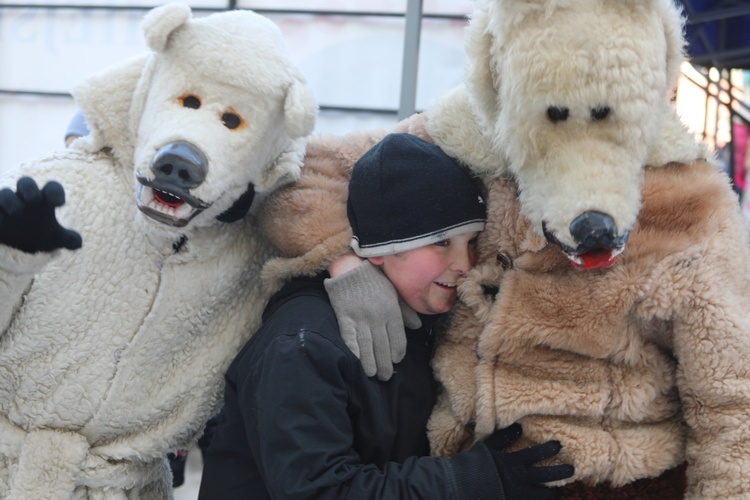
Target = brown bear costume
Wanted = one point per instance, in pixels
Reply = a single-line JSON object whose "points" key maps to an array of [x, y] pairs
{"points": [[631, 351]]}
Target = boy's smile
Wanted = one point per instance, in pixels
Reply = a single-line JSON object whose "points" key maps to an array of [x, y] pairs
{"points": [[426, 277], [447, 285]]}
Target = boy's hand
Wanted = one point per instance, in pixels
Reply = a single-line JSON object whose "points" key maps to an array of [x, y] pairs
{"points": [[371, 319], [27, 218]]}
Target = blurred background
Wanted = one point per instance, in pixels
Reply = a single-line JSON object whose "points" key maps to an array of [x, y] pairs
{"points": [[369, 63], [353, 53]]}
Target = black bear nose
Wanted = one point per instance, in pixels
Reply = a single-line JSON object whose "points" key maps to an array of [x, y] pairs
{"points": [[594, 229], [180, 164]]}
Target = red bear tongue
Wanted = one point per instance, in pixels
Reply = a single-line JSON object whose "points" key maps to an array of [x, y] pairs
{"points": [[596, 259], [170, 201]]}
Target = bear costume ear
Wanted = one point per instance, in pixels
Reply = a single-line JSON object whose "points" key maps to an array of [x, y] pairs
{"points": [[674, 23], [160, 22], [110, 98], [105, 99], [482, 79], [300, 110], [673, 20], [285, 169]]}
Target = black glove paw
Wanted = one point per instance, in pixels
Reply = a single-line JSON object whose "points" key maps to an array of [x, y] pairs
{"points": [[520, 478], [502, 438], [27, 218]]}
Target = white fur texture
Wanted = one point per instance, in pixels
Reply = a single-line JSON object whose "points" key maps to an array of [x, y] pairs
{"points": [[633, 368], [526, 56], [113, 355]]}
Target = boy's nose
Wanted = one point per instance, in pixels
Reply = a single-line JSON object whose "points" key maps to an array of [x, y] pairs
{"points": [[462, 261]]}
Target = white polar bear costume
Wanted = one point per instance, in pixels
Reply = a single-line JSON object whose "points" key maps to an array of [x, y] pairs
{"points": [[113, 354]]}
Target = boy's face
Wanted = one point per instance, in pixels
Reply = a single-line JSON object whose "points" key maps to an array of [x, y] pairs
{"points": [[426, 277]]}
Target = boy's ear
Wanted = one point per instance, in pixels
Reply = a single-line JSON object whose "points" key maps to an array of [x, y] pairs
{"points": [[376, 261]]}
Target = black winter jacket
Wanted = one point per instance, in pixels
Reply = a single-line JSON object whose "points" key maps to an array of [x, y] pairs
{"points": [[302, 420]]}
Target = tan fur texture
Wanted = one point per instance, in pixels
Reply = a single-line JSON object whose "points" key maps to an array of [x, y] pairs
{"points": [[627, 366], [634, 368], [307, 220], [639, 368]]}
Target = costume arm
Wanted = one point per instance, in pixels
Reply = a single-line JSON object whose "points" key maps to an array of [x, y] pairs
{"points": [[451, 422], [712, 346], [307, 219], [29, 237]]}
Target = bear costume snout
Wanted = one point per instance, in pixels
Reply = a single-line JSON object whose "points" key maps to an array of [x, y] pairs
{"points": [[177, 168], [597, 237]]}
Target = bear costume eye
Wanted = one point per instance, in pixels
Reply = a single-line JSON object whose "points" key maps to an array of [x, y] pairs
{"points": [[231, 120], [190, 101], [600, 113], [557, 114], [504, 261]]}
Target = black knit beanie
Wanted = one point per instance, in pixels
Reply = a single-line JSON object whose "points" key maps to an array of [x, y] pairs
{"points": [[405, 193]]}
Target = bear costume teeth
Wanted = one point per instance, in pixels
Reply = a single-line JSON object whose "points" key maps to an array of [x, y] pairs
{"points": [[166, 207]]}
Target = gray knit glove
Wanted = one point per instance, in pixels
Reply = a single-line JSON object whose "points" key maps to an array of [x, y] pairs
{"points": [[371, 318]]}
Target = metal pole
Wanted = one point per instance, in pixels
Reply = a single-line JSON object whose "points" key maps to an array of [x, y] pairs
{"points": [[412, 29]]}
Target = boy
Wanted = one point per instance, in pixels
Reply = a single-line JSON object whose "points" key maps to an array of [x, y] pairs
{"points": [[303, 420]]}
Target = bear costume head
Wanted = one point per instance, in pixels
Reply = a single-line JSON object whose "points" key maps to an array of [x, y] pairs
{"points": [[572, 99], [215, 112]]}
